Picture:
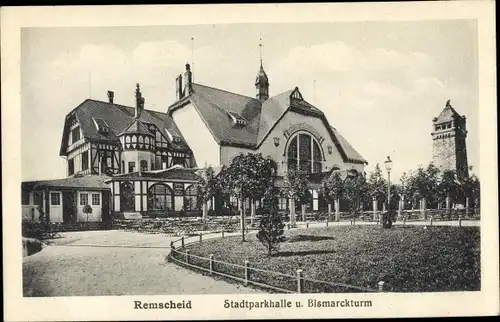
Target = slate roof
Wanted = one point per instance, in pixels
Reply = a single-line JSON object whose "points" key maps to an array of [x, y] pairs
{"points": [[351, 152], [136, 127], [214, 106], [174, 173], [447, 114], [93, 182], [119, 118]]}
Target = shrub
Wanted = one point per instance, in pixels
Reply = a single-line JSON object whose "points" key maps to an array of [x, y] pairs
{"points": [[271, 224]]}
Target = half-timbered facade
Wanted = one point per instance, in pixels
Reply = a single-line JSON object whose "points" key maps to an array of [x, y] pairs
{"points": [[117, 146], [143, 162]]}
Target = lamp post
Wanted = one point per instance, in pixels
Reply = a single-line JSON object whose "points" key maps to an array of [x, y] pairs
{"points": [[388, 167]]}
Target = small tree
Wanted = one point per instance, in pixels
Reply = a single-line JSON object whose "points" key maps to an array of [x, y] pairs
{"points": [[448, 186], [355, 188], [377, 185], [295, 187], [207, 186], [248, 176], [332, 187], [472, 189], [87, 209], [271, 224]]}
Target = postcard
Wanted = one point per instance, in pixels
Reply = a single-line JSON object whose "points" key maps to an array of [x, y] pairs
{"points": [[250, 161]]}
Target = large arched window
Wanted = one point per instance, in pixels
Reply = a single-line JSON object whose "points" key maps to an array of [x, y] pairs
{"points": [[304, 154], [191, 198], [159, 197]]}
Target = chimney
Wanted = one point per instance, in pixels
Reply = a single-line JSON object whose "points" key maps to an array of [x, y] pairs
{"points": [[139, 101], [111, 95], [187, 78], [179, 93]]}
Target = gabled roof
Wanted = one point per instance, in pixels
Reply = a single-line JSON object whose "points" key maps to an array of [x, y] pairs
{"points": [[119, 118], [351, 153], [136, 127], [214, 104], [448, 114], [93, 182], [218, 107]]}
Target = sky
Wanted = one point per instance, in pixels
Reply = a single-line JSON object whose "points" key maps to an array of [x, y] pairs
{"points": [[379, 83]]}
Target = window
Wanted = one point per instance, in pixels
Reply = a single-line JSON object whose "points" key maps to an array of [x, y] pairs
{"points": [[304, 154], [316, 157], [191, 198], [84, 199], [71, 167], [75, 134], [283, 203], [164, 161], [85, 160], [96, 199], [144, 165], [38, 198], [178, 160], [159, 197], [55, 198], [131, 167], [25, 197]]}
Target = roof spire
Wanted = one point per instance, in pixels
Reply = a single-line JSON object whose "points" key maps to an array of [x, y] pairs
{"points": [[192, 57], [260, 49]]}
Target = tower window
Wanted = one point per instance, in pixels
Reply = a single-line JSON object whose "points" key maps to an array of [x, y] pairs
{"points": [[144, 165], [131, 167]]}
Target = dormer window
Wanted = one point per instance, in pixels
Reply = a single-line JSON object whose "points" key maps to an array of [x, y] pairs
{"points": [[176, 139], [296, 95], [101, 126], [236, 119]]}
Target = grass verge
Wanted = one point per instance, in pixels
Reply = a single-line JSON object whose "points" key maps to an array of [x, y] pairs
{"points": [[407, 259]]}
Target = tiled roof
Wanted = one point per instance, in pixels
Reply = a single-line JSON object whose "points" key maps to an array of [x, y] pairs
{"points": [[215, 107], [174, 173], [214, 104], [89, 182], [136, 127], [119, 117], [351, 153]]}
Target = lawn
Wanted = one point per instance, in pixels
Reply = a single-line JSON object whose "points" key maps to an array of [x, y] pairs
{"points": [[407, 259]]}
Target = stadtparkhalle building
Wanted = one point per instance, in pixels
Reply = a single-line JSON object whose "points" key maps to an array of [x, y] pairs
{"points": [[133, 162]]}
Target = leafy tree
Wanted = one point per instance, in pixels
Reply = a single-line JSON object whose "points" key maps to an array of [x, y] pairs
{"points": [[432, 182], [355, 188], [248, 176], [448, 186], [377, 185], [295, 187], [472, 189], [332, 187], [404, 189], [271, 227], [207, 186]]}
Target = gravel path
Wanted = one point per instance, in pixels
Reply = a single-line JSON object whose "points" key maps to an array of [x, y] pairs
{"points": [[74, 270]]}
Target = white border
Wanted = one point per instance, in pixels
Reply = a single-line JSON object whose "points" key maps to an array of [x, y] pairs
{"points": [[485, 302]]}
